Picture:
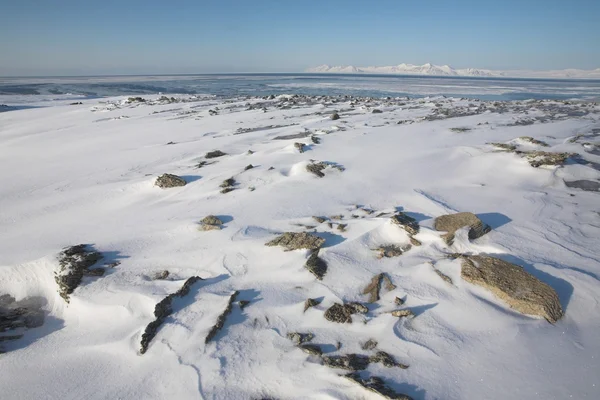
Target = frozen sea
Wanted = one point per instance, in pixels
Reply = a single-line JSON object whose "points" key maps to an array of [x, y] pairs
{"points": [[14, 91]]}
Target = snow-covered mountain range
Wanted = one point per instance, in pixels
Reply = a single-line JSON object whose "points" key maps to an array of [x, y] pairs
{"points": [[446, 70]]}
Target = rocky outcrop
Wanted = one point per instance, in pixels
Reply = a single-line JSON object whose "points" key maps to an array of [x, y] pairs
{"points": [[342, 313], [377, 385], [309, 303], [221, 319], [410, 225], [520, 290], [75, 262], [390, 250], [210, 222], [374, 287], [300, 338], [18, 316], [215, 154], [316, 265], [351, 362], [294, 241], [317, 168], [166, 181], [452, 222], [162, 310]]}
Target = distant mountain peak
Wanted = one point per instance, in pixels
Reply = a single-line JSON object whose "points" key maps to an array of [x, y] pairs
{"points": [[446, 70]]}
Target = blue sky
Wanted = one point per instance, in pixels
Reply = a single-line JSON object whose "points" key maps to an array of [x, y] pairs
{"points": [[65, 37]]}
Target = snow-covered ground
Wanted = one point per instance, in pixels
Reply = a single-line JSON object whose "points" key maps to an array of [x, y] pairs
{"points": [[86, 173]]}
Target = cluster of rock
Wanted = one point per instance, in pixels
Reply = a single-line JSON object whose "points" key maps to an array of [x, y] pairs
{"points": [[162, 310], [75, 262], [18, 316]]}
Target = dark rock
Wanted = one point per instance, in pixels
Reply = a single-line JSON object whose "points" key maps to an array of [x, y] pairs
{"points": [[229, 182], [17, 316], [452, 222], [320, 219], [386, 359], [539, 158], [316, 265], [446, 278], [243, 304], [342, 227], [73, 263], [221, 320], [584, 184], [342, 313], [407, 222], [161, 275], [369, 344], [315, 139], [312, 349], [162, 310], [398, 301], [311, 303], [94, 272], [505, 146], [377, 385], [335, 116], [300, 338], [227, 190], [351, 362], [247, 167], [169, 180], [522, 291], [374, 287], [210, 222], [390, 250], [215, 154], [299, 146], [295, 241], [376, 111]]}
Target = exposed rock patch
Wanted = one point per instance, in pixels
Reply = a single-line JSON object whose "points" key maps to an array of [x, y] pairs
{"points": [[221, 319], [294, 241], [316, 265], [210, 222], [317, 168], [18, 316], [387, 360], [402, 313], [531, 140], [446, 278], [410, 225], [300, 338], [390, 250], [452, 222], [162, 310], [311, 303], [169, 181], [369, 344], [74, 262], [215, 154], [335, 116], [342, 313], [377, 385], [350, 362], [300, 147], [374, 287], [522, 291], [539, 158], [161, 275]]}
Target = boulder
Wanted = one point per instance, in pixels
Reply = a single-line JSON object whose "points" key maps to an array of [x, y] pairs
{"points": [[169, 180], [295, 241], [452, 222], [210, 222], [519, 289]]}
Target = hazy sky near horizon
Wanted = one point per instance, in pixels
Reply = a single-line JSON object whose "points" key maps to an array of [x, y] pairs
{"points": [[69, 37]]}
